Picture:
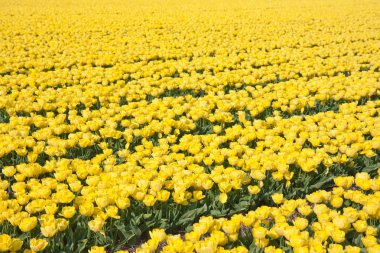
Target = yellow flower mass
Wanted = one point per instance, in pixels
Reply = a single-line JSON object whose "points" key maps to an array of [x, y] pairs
{"points": [[190, 126]]}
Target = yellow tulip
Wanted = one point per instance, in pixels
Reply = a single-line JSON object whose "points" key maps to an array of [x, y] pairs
{"points": [[223, 198], [278, 198], [5, 242], [97, 249], [27, 224], [38, 244]]}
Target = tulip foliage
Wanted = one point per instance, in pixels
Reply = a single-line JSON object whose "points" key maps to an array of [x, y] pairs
{"points": [[189, 126], [344, 219]]}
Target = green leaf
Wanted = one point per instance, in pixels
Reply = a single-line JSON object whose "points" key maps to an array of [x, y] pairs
{"points": [[136, 231], [190, 216], [136, 220], [127, 234], [147, 216], [371, 168], [241, 206], [216, 213], [322, 183], [252, 247], [82, 245]]}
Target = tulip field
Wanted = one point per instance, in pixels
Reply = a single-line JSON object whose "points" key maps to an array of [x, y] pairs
{"points": [[190, 126]]}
